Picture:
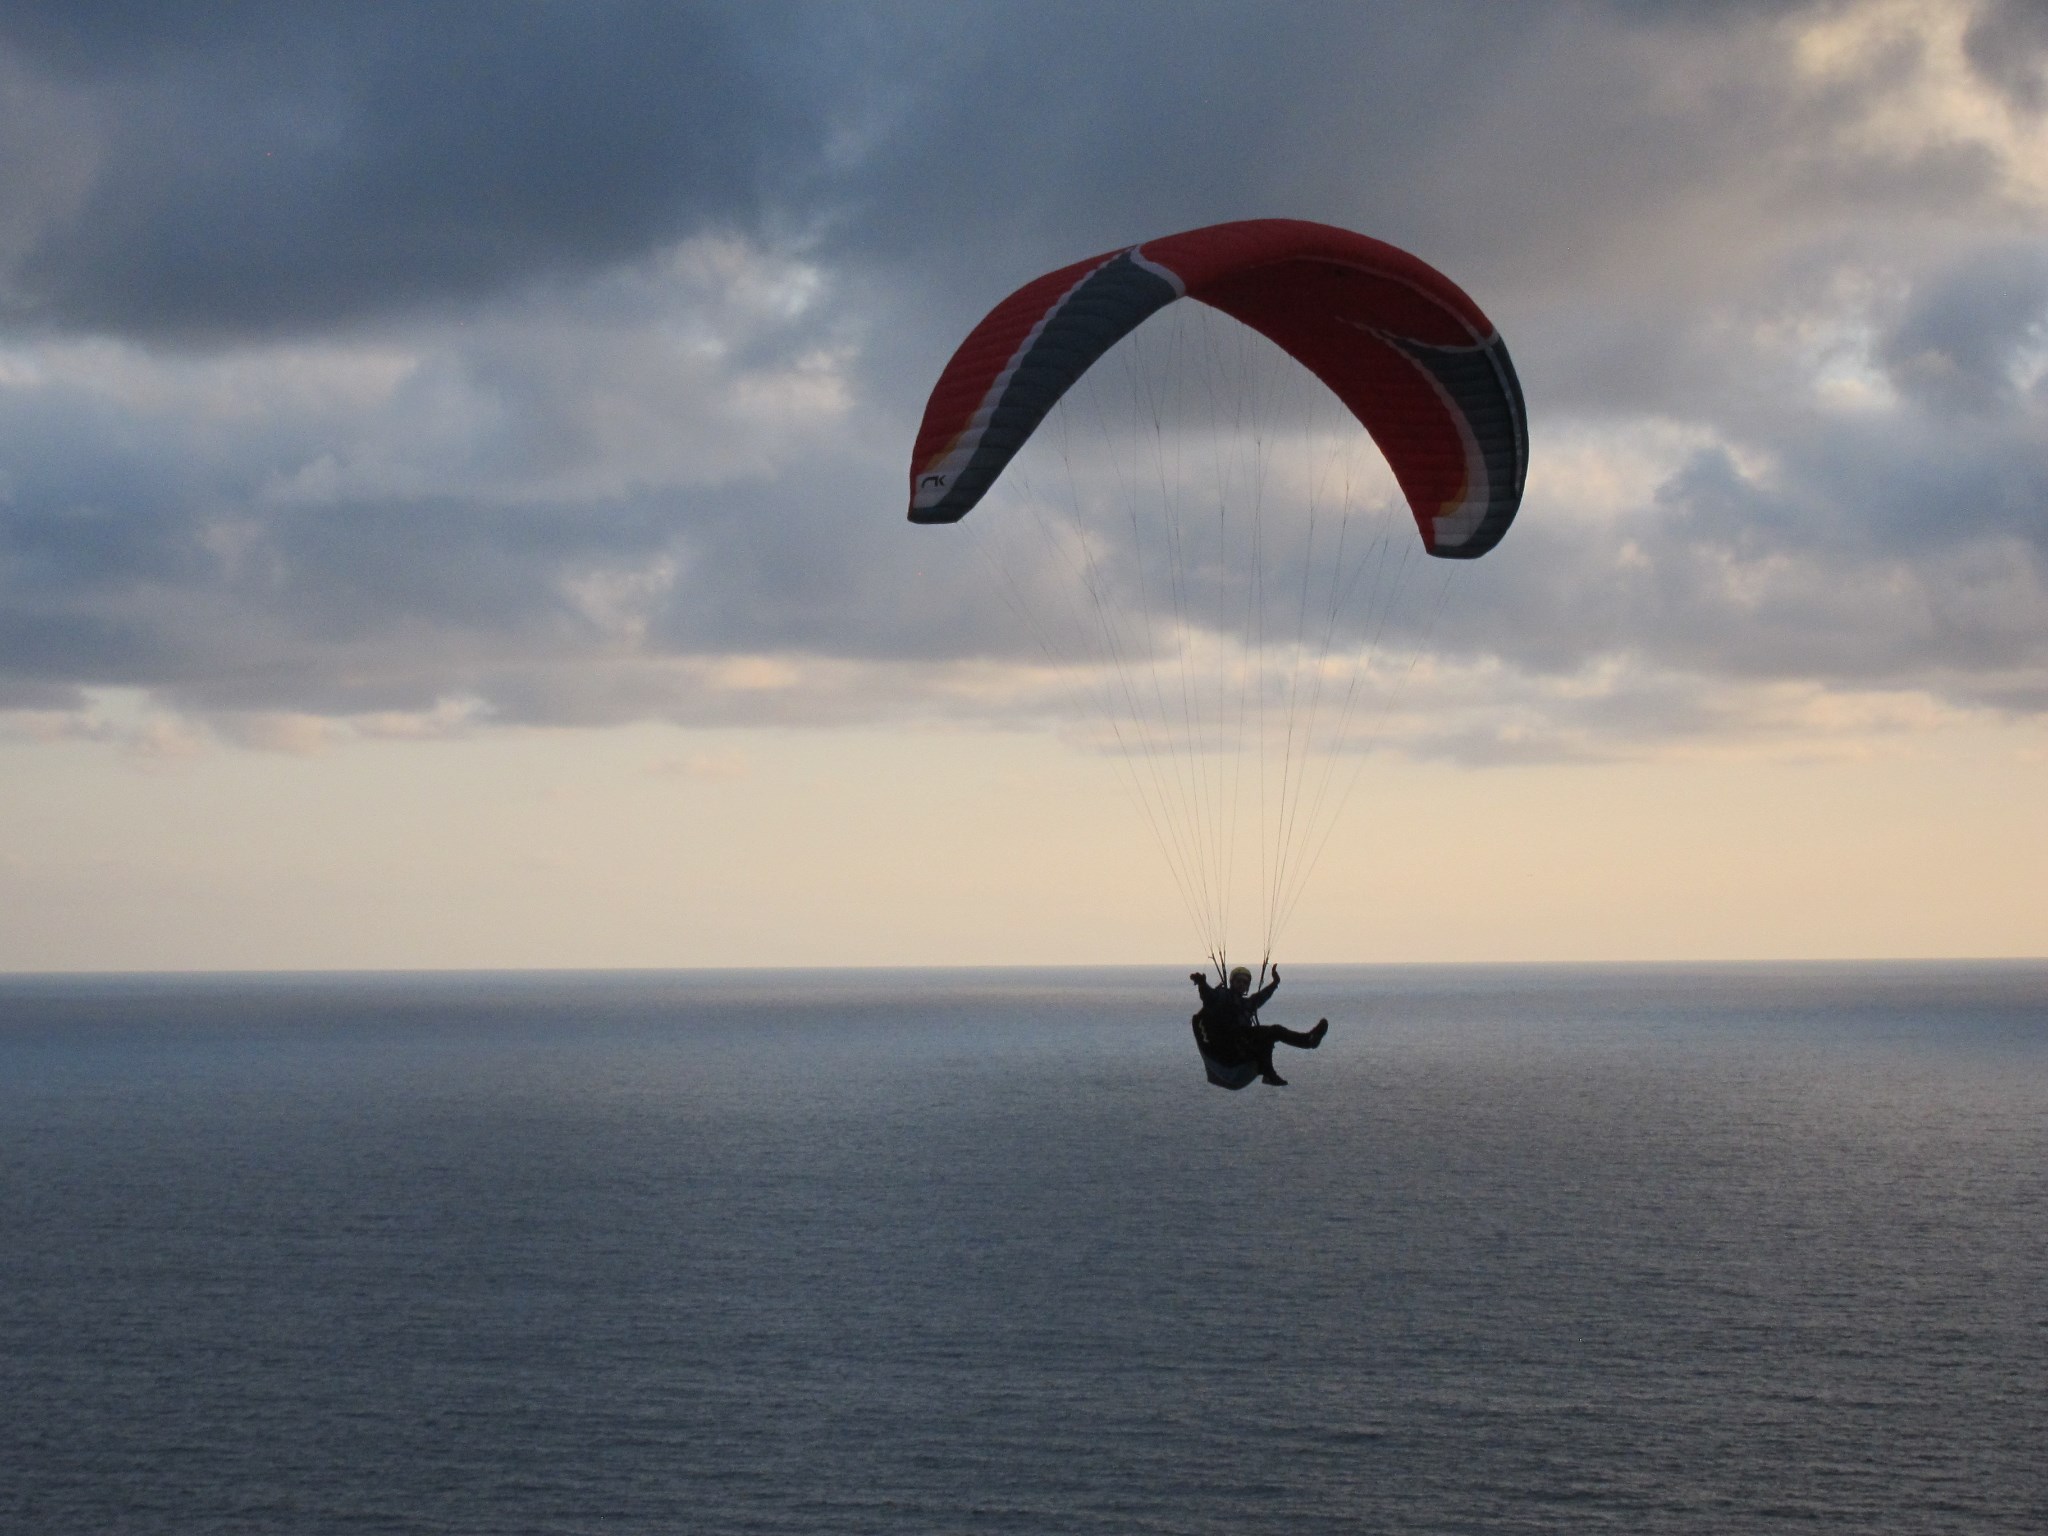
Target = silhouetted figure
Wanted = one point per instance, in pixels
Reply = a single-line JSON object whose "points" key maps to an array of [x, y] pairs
{"points": [[1234, 1044]]}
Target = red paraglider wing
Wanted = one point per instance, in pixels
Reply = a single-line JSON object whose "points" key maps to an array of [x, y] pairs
{"points": [[1410, 355]]}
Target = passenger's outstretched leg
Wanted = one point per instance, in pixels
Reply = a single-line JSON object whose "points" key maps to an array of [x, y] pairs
{"points": [[1301, 1039]]}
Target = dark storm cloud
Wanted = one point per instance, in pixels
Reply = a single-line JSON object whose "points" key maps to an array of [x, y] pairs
{"points": [[1957, 345], [597, 461], [280, 168], [264, 169], [2007, 42]]}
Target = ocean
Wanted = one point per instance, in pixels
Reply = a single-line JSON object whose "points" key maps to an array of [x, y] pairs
{"points": [[1521, 1249]]}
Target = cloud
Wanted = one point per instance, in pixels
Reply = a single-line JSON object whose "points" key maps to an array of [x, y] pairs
{"points": [[2007, 43], [1970, 330], [266, 171], [414, 369]]}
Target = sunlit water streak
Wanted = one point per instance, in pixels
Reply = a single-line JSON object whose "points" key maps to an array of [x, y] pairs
{"points": [[1628, 1249]]}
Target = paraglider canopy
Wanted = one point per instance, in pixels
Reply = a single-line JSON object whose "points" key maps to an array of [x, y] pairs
{"points": [[1401, 345], [1200, 542]]}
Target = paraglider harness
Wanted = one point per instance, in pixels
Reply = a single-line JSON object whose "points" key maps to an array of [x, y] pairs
{"points": [[1223, 1035]]}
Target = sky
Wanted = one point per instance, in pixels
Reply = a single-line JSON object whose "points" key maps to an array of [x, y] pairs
{"points": [[452, 466]]}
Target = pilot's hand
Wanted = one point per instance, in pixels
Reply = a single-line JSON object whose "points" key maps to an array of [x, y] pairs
{"points": [[1195, 977]]}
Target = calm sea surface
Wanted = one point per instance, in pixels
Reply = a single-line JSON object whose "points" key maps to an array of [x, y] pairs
{"points": [[1630, 1249]]}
